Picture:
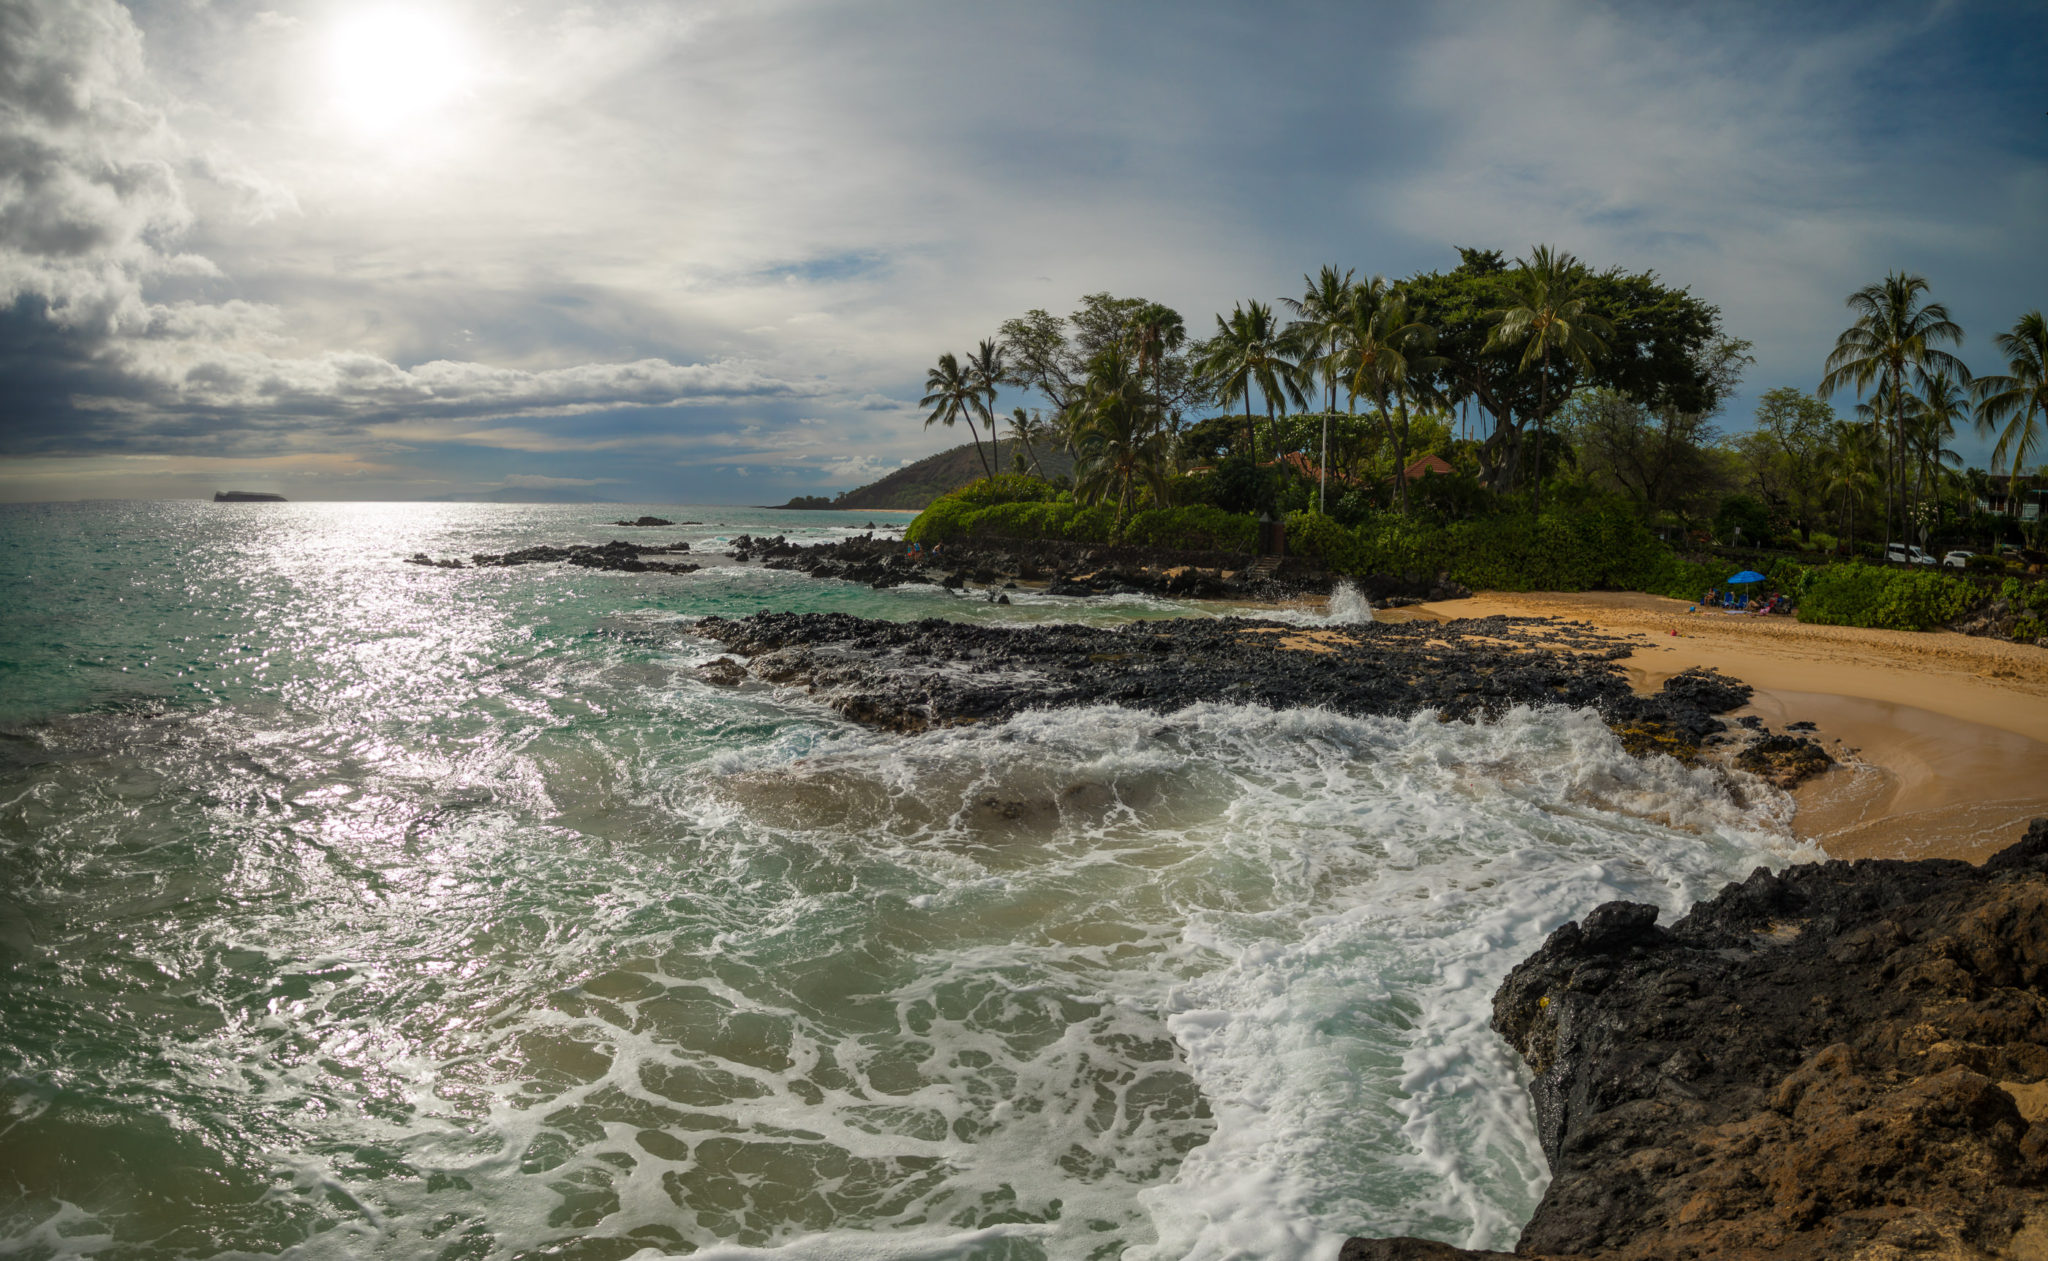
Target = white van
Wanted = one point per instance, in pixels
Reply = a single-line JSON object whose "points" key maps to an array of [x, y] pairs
{"points": [[1907, 554]]}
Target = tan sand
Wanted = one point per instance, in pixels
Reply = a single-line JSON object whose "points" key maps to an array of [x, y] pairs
{"points": [[1949, 732]]}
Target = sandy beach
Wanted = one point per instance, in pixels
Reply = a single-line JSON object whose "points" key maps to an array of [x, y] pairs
{"points": [[1943, 737]]}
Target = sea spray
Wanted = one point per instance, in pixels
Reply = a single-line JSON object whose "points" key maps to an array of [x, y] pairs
{"points": [[1348, 606]]}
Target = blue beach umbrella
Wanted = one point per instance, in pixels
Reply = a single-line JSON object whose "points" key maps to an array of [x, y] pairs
{"points": [[1747, 575]]}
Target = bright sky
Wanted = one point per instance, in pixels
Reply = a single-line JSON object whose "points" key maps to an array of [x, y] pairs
{"points": [[705, 252]]}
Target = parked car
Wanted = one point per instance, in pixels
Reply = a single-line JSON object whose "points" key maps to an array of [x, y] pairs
{"points": [[1958, 559], [1907, 554]]}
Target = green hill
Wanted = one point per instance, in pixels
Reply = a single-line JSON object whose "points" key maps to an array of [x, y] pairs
{"points": [[914, 486]]}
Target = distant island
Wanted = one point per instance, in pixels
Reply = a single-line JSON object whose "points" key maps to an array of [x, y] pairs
{"points": [[246, 497], [913, 487]]}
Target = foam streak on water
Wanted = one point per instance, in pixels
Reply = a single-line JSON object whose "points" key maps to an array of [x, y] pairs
{"points": [[348, 908]]}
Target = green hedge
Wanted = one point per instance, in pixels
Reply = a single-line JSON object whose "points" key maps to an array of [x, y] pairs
{"points": [[1578, 550], [1196, 529], [2031, 597], [1855, 594], [1025, 508]]}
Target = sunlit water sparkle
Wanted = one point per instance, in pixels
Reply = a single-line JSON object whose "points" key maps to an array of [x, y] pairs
{"points": [[349, 907]]}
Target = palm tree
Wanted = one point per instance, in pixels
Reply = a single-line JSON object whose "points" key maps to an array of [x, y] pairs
{"points": [[2019, 398], [1249, 350], [952, 394], [1549, 315], [1158, 331], [1851, 472], [1121, 440], [1322, 310], [986, 373], [1930, 423], [1382, 355], [1893, 334], [1025, 425]]}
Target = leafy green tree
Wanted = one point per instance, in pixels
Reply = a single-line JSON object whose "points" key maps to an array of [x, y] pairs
{"points": [[1743, 519], [1052, 355], [2018, 397], [1660, 348], [1788, 453], [1895, 339], [1040, 358], [1661, 458], [1549, 314], [951, 393]]}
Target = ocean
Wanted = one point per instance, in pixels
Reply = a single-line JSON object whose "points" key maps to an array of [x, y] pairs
{"points": [[356, 908]]}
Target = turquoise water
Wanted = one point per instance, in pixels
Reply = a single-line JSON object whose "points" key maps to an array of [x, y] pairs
{"points": [[350, 907]]}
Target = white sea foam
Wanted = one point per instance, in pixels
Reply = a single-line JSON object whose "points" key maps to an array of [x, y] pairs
{"points": [[1342, 896]]}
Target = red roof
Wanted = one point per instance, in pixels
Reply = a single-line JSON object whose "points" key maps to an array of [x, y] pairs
{"points": [[1426, 465]]}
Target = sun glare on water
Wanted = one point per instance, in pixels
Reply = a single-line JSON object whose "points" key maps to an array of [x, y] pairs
{"points": [[395, 67]]}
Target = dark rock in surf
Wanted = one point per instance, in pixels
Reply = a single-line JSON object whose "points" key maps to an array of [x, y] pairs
{"points": [[1840, 1060], [646, 521], [723, 671], [616, 555], [1785, 760], [908, 676]]}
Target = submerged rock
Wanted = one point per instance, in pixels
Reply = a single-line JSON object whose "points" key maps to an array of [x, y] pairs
{"points": [[1785, 760], [1838, 1060]]}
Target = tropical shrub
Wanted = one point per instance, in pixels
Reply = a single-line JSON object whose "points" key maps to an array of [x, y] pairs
{"points": [[1856, 594], [1195, 528], [1007, 488], [2029, 600], [957, 516], [1323, 538]]}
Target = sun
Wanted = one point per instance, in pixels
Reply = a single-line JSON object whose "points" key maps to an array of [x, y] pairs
{"points": [[396, 66]]}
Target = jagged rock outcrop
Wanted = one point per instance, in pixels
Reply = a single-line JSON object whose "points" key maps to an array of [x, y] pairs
{"points": [[1840, 1060], [908, 676]]}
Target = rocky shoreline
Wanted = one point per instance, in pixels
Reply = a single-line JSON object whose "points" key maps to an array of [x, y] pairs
{"points": [[1066, 569], [910, 676], [1839, 1060], [1082, 569]]}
